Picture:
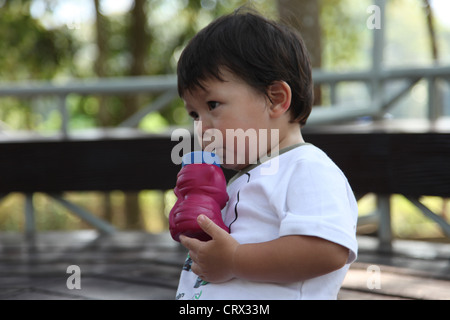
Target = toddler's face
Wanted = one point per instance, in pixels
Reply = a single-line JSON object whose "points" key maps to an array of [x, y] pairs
{"points": [[229, 116]]}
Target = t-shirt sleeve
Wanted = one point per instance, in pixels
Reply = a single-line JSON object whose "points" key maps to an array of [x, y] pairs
{"points": [[319, 202]]}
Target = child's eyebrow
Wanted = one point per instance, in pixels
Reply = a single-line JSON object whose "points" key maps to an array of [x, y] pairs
{"points": [[189, 107]]}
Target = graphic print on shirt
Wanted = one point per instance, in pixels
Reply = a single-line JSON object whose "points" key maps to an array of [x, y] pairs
{"points": [[187, 267]]}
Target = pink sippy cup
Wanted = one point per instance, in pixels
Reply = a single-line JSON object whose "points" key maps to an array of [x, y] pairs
{"points": [[201, 189]]}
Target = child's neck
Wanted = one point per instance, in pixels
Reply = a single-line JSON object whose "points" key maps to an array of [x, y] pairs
{"points": [[291, 137]]}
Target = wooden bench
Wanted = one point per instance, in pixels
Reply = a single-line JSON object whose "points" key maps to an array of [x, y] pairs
{"points": [[396, 157]]}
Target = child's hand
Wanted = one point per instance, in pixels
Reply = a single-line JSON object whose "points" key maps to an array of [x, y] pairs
{"points": [[212, 260]]}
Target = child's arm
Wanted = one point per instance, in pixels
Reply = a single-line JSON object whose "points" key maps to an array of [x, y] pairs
{"points": [[287, 259]]}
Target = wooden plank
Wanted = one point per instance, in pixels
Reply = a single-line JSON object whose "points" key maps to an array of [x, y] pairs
{"points": [[125, 265], [352, 294], [113, 164], [104, 288], [364, 159], [421, 166], [137, 265], [98, 288], [413, 164], [374, 161], [35, 294], [399, 285]]}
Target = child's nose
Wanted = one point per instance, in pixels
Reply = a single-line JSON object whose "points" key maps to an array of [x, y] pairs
{"points": [[205, 125], [201, 129]]}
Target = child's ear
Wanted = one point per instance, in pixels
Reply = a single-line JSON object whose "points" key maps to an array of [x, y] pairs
{"points": [[280, 96]]}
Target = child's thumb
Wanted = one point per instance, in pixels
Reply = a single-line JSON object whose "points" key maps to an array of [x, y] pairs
{"points": [[207, 225]]}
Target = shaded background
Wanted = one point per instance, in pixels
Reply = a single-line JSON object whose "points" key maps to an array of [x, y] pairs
{"points": [[62, 40]]}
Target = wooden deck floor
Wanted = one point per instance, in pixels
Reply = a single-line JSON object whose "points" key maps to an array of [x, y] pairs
{"points": [[142, 266]]}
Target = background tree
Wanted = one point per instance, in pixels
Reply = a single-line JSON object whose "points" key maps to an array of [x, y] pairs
{"points": [[304, 16], [139, 39], [431, 30]]}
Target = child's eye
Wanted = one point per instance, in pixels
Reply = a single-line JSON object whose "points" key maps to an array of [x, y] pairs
{"points": [[193, 115], [212, 104]]}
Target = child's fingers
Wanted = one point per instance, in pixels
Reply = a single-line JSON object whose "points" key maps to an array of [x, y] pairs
{"points": [[207, 225], [190, 243], [196, 269]]}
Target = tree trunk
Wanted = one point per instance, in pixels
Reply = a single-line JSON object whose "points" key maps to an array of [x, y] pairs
{"points": [[435, 55], [431, 30], [104, 120], [304, 15], [139, 42]]}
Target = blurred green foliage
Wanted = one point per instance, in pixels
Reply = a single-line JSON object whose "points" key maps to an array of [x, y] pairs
{"points": [[40, 46], [27, 49]]}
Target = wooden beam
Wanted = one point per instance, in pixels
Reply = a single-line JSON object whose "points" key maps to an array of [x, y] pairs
{"points": [[413, 164]]}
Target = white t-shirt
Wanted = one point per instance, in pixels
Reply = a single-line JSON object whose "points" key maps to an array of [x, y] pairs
{"points": [[300, 192]]}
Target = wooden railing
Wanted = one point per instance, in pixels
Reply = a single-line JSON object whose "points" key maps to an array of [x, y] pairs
{"points": [[378, 156]]}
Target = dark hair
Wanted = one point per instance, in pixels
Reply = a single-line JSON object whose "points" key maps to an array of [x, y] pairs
{"points": [[257, 50]]}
